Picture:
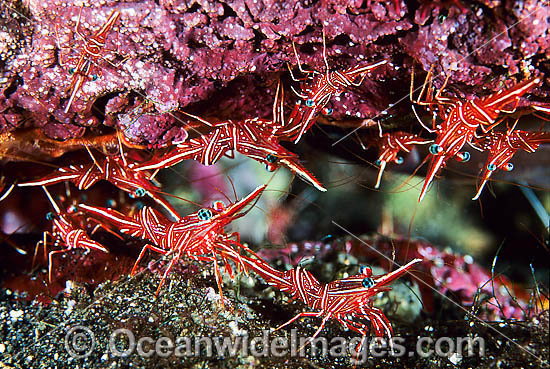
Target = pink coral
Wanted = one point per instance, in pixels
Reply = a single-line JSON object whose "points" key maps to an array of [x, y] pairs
{"points": [[183, 53]]}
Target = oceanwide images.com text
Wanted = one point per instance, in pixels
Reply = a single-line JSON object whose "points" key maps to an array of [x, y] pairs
{"points": [[80, 342]]}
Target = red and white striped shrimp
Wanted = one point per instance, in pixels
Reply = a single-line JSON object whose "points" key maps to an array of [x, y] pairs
{"points": [[347, 300], [462, 120], [502, 146], [65, 230], [198, 236], [114, 169], [91, 52], [389, 146], [256, 138], [318, 93]]}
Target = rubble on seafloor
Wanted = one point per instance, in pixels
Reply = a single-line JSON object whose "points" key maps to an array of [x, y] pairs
{"points": [[189, 307], [32, 335]]}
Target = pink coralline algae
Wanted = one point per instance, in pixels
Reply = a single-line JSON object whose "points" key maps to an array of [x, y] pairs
{"points": [[470, 283], [196, 54]]}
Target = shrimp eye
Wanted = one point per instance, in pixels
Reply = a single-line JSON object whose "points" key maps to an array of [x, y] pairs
{"points": [[50, 215], [71, 209], [204, 214], [327, 237], [399, 160], [509, 167], [464, 156], [378, 162], [94, 77], [271, 158], [140, 192], [327, 111], [218, 205], [435, 149], [363, 269], [491, 167], [310, 102], [368, 282], [71, 70], [111, 203]]}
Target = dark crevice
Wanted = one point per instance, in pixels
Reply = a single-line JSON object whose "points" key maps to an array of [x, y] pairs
{"points": [[98, 106], [258, 38], [389, 40], [13, 86], [228, 12], [307, 30], [342, 40], [193, 43], [307, 3], [412, 7], [169, 60], [307, 49], [195, 8]]}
